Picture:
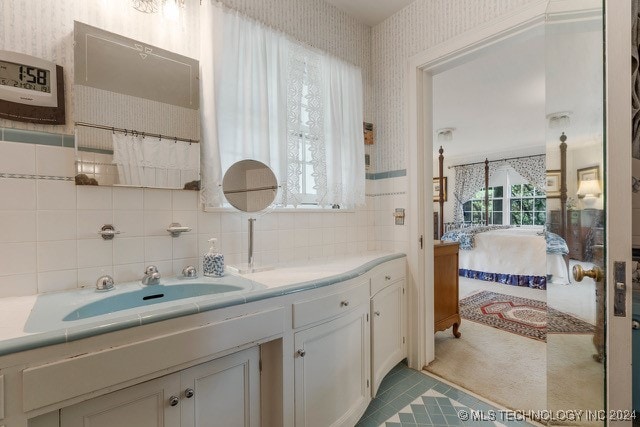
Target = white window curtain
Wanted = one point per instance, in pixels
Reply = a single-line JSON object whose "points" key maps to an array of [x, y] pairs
{"points": [[261, 93], [152, 162], [469, 180]]}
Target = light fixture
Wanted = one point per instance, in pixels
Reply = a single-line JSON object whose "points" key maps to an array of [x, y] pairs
{"points": [[589, 190], [559, 120], [146, 6], [445, 134], [169, 7]]}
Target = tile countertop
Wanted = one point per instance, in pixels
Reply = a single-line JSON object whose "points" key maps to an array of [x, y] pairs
{"points": [[17, 313]]}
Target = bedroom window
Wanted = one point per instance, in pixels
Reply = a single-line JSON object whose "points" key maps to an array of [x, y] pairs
{"points": [[522, 205], [474, 211], [528, 206]]}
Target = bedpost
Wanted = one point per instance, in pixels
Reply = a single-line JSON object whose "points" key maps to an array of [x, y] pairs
{"points": [[563, 185], [441, 198], [486, 191]]}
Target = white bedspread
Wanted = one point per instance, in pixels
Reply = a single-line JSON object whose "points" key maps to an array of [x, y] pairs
{"points": [[518, 251]]}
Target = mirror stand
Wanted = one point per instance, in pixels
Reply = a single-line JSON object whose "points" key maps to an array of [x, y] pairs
{"points": [[250, 266]]}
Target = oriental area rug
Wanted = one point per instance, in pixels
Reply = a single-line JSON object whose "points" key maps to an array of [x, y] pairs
{"points": [[522, 316]]}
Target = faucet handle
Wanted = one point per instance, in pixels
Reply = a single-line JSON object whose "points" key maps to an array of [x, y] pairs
{"points": [[105, 283], [189, 272], [151, 269]]}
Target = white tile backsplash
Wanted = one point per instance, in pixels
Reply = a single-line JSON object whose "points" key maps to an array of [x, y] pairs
{"points": [[158, 248], [90, 222], [157, 222], [93, 197], [17, 226], [94, 252], [18, 258], [57, 255], [57, 225], [128, 250], [128, 198], [156, 199], [51, 281], [17, 158], [18, 285], [51, 241], [55, 194], [17, 194]]}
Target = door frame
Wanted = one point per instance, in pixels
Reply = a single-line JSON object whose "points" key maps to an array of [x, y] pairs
{"points": [[419, 160]]}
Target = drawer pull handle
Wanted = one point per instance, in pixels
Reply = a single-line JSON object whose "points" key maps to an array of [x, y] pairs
{"points": [[344, 304], [301, 353], [377, 313], [387, 277], [174, 400], [189, 393]]}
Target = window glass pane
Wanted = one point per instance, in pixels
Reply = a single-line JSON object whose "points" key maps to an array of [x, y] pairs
{"points": [[479, 194], [497, 191], [478, 205], [516, 218], [527, 190], [466, 206], [516, 205], [541, 204], [497, 218], [527, 204], [541, 218], [310, 180], [477, 217], [516, 191], [527, 218], [497, 205], [467, 216]]}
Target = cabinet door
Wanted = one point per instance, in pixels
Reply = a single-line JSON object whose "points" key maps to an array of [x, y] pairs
{"points": [[387, 331], [144, 405], [224, 392], [332, 371]]}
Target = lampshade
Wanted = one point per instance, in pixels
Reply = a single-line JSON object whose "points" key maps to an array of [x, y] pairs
{"points": [[589, 188]]}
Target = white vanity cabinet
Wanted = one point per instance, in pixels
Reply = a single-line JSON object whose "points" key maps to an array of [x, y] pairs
{"points": [[223, 392], [331, 367], [388, 321]]}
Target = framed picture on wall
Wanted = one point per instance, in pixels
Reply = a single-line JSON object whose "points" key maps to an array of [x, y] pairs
{"points": [[552, 187], [436, 189], [592, 173]]}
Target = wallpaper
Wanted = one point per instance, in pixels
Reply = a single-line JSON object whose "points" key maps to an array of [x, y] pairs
{"points": [[422, 24]]}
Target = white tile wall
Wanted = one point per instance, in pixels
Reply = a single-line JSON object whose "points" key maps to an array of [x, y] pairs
{"points": [[49, 237]]}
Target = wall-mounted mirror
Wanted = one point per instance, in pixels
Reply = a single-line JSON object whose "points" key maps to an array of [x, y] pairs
{"points": [[136, 112], [251, 187]]}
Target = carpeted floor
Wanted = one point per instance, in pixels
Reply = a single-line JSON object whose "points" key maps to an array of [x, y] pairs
{"points": [[518, 372], [509, 369]]}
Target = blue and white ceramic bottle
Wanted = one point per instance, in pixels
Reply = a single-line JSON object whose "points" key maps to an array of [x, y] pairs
{"points": [[213, 261]]}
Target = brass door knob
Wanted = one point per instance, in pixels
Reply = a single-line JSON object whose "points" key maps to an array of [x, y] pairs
{"points": [[596, 273]]}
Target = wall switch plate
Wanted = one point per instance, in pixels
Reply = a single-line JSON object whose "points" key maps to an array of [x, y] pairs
{"points": [[399, 216]]}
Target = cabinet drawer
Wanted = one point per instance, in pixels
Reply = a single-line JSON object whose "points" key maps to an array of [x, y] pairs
{"points": [[56, 382], [325, 307], [389, 273]]}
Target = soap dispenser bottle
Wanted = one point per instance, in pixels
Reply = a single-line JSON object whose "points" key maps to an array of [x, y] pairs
{"points": [[213, 261]]}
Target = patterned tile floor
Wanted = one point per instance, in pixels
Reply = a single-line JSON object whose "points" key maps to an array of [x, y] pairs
{"points": [[410, 398]]}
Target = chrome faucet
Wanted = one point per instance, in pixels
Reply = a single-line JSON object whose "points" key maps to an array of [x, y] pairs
{"points": [[151, 276], [189, 272], [105, 283]]}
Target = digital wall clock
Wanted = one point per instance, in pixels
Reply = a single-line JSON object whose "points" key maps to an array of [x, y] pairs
{"points": [[31, 89]]}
